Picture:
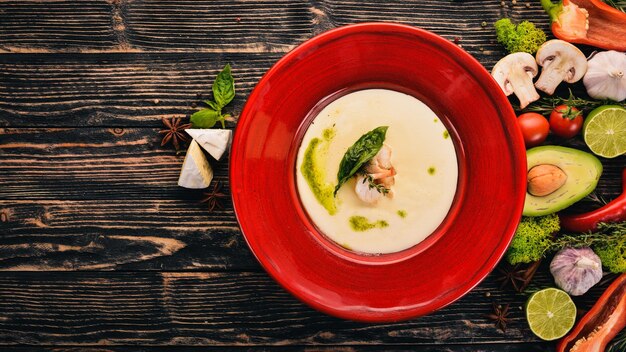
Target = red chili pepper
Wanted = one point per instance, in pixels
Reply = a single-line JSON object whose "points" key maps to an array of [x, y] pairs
{"points": [[590, 22], [614, 211], [602, 323]]}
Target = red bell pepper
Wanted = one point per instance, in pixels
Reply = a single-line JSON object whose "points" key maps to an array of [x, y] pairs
{"points": [[590, 22], [614, 211], [601, 324]]}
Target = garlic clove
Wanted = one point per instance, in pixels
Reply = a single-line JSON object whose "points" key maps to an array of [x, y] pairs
{"points": [[605, 77], [576, 270]]}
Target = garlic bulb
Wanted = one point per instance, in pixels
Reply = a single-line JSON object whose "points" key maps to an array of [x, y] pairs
{"points": [[606, 76], [576, 270]]}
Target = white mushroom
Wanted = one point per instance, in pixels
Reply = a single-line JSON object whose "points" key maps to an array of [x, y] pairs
{"points": [[561, 61], [514, 73]]}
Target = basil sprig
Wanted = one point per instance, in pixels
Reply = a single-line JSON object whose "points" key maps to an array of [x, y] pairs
{"points": [[223, 93], [364, 149]]}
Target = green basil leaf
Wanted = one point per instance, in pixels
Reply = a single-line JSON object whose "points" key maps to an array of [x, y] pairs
{"points": [[364, 149], [213, 105], [205, 118], [224, 88]]}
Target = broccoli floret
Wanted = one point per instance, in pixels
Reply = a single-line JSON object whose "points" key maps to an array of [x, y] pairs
{"points": [[613, 255], [523, 37], [532, 238]]}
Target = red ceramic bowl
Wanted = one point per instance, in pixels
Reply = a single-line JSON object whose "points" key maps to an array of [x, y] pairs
{"points": [[490, 191]]}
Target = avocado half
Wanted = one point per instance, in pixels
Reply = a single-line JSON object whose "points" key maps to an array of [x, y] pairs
{"points": [[583, 171]]}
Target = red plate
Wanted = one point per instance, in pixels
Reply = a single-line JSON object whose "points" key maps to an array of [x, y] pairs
{"points": [[490, 192]]}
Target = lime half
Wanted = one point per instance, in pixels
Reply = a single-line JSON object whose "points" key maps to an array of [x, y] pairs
{"points": [[604, 131], [550, 313]]}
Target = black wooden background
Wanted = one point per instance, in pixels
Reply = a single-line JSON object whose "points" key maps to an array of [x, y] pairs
{"points": [[99, 248]]}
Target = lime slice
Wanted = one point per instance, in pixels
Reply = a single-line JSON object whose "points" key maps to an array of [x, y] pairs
{"points": [[604, 131], [550, 313]]}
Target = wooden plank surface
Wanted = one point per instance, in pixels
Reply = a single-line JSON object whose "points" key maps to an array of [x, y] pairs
{"points": [[101, 251], [258, 26], [116, 90], [121, 90], [128, 212], [230, 309], [127, 163], [120, 235], [495, 347], [108, 163], [37, 26], [134, 90]]}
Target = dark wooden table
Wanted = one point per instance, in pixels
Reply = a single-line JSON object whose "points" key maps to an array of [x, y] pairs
{"points": [[101, 250]]}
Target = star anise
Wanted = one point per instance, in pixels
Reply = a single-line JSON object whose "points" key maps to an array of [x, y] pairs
{"points": [[212, 198], [175, 132], [510, 275], [517, 276], [499, 316]]}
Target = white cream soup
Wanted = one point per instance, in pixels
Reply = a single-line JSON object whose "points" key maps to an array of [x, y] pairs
{"points": [[423, 156]]}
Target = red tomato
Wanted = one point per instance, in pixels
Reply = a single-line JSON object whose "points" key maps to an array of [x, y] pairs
{"points": [[534, 128], [566, 121]]}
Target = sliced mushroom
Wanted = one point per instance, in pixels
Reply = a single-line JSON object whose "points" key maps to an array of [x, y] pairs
{"points": [[514, 73], [561, 61]]}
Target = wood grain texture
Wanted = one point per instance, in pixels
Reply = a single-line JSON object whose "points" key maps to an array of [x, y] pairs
{"points": [[138, 26], [223, 26], [101, 251], [107, 198], [120, 90], [42, 26], [127, 163], [120, 235], [495, 347], [231, 309], [232, 26], [136, 89], [116, 90], [50, 163]]}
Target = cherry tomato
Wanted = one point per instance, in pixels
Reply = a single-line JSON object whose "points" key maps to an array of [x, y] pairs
{"points": [[566, 121], [534, 128]]}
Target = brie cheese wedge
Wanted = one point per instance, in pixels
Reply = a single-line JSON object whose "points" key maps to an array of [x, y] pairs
{"points": [[196, 172], [214, 141]]}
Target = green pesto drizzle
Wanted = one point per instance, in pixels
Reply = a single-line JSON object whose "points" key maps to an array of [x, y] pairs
{"points": [[446, 134], [313, 170], [401, 213], [361, 223], [329, 134], [432, 170]]}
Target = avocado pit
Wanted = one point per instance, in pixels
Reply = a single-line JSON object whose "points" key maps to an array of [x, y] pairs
{"points": [[545, 179], [558, 177]]}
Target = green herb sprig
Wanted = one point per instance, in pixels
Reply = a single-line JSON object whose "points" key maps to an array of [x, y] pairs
{"points": [[618, 343], [373, 185], [618, 4], [223, 93], [545, 105], [360, 153], [608, 234]]}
